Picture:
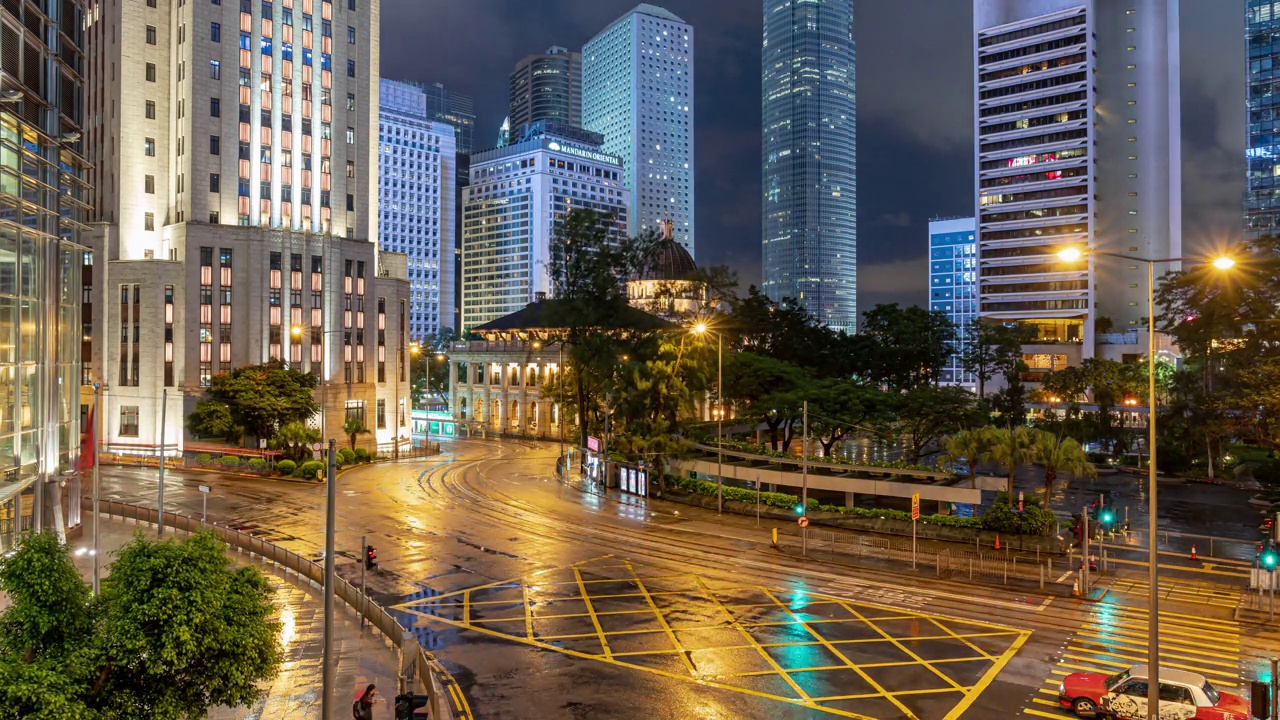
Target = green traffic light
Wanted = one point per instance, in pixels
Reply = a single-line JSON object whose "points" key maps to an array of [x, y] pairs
{"points": [[799, 509], [1108, 517], [1269, 559]]}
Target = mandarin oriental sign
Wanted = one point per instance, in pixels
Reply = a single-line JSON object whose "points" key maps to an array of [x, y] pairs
{"points": [[570, 150]]}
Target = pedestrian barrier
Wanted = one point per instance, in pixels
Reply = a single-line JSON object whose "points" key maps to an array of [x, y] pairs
{"points": [[416, 664]]}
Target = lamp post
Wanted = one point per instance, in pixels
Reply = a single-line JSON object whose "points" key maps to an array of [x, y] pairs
{"points": [[702, 329], [1071, 255], [296, 332]]}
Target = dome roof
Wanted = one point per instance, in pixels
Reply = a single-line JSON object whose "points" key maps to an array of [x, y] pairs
{"points": [[669, 261]]}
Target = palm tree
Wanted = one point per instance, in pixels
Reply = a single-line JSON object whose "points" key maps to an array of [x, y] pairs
{"points": [[353, 427], [971, 447], [1012, 447], [1058, 454]]}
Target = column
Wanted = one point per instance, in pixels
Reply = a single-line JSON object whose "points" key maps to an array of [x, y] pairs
{"points": [[504, 394], [453, 389]]}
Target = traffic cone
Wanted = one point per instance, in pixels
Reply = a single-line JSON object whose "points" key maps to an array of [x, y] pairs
{"points": [[1193, 553], [1075, 588], [997, 542]]}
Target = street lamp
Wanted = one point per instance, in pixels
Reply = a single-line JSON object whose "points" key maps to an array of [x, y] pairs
{"points": [[1075, 254], [296, 332], [702, 329]]}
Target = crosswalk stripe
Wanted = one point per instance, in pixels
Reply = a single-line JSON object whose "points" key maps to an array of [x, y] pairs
{"points": [[1038, 713], [1164, 653]]}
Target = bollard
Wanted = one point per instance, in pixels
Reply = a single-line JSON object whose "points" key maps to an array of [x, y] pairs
{"points": [[1042, 573], [970, 568]]}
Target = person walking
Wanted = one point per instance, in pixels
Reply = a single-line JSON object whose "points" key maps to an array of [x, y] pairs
{"points": [[362, 709]]}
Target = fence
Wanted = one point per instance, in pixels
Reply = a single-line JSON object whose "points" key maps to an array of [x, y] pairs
{"points": [[415, 663], [991, 566]]}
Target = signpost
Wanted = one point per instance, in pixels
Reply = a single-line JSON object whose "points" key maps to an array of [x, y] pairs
{"points": [[915, 515], [204, 503], [593, 444], [1020, 505], [802, 521], [316, 450]]}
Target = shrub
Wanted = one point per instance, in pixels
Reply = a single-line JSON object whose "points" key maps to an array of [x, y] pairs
{"points": [[204, 459], [257, 464], [362, 455], [703, 487], [229, 461], [1034, 520], [346, 456], [286, 467], [311, 468]]}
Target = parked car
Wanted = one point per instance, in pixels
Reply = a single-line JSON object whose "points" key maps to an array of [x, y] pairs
{"points": [[1123, 696]]}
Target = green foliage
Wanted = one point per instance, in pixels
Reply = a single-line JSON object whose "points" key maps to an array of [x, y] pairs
{"points": [[256, 464], [704, 487], [1012, 448], [993, 348], [311, 468], [428, 370], [926, 412], [353, 428], [971, 447], [906, 347], [362, 455], [294, 439], [1034, 520], [887, 514], [346, 456], [204, 459], [262, 398], [286, 467], [176, 631], [1059, 455], [230, 461], [212, 418]]}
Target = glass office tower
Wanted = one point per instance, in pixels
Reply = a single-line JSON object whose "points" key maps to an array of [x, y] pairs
{"points": [[809, 158], [953, 287], [1262, 203]]}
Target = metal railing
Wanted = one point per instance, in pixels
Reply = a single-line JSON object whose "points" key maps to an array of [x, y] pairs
{"points": [[415, 663], [987, 565]]}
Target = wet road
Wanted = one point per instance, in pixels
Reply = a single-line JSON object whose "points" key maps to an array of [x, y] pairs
{"points": [[545, 602]]}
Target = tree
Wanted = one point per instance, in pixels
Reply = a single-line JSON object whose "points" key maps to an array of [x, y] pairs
{"points": [[352, 428], [929, 411], [837, 407], [908, 346], [991, 348], [176, 631], [766, 388], [212, 418], [1012, 447], [1058, 454], [295, 439], [261, 398], [971, 447], [428, 372]]}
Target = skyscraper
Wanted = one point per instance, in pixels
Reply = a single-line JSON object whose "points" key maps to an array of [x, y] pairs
{"points": [[45, 197], [1077, 115], [517, 195], [417, 165], [546, 87], [1262, 204], [637, 91], [809, 158], [953, 286], [457, 110], [237, 154]]}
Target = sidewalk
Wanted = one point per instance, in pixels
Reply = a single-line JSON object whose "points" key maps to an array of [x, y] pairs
{"points": [[295, 692]]}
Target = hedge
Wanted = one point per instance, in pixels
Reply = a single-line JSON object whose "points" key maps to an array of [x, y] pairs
{"points": [[311, 468], [362, 455], [703, 487], [766, 451], [286, 467], [204, 459], [257, 464], [229, 461], [346, 456]]}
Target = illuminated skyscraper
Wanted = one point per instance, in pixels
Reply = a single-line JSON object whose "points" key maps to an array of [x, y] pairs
{"points": [[809, 158], [1262, 204], [637, 91], [546, 87]]}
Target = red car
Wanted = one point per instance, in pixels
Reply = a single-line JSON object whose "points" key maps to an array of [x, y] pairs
{"points": [[1123, 696]]}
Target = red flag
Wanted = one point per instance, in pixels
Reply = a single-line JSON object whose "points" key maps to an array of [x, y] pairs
{"points": [[89, 445]]}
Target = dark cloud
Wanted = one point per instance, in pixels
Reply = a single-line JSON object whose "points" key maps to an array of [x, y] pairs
{"points": [[915, 116]]}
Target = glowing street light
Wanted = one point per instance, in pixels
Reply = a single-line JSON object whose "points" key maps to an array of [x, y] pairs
{"points": [[702, 329]]}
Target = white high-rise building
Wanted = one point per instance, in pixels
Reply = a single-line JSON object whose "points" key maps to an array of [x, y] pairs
{"points": [[1078, 144], [234, 145], [637, 91], [510, 213], [416, 185]]}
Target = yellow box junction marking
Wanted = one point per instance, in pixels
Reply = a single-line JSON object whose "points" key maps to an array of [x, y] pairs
{"points": [[604, 610], [1114, 638]]}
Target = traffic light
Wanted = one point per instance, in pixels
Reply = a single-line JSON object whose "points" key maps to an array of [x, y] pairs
{"points": [[799, 509], [370, 557], [1269, 558], [1107, 516]]}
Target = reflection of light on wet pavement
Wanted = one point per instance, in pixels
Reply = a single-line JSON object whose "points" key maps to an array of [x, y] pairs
{"points": [[287, 629]]}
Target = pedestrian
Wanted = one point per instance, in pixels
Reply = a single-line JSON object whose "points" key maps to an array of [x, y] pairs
{"points": [[362, 709]]}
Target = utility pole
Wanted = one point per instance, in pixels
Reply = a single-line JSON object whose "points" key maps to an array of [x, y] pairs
{"points": [[97, 423], [364, 563], [719, 423], [164, 407], [330, 658], [804, 489]]}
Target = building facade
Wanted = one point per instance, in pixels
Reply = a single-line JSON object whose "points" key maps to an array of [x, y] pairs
{"points": [[517, 195], [1077, 115], [546, 87], [417, 167], [809, 158], [953, 286], [637, 91], [236, 146], [455, 109], [1262, 202], [44, 203]]}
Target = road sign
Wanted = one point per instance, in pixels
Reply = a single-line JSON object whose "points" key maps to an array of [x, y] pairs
{"points": [[262, 443], [915, 506], [593, 444], [1020, 505], [204, 488], [915, 515], [802, 521], [315, 454], [317, 446]]}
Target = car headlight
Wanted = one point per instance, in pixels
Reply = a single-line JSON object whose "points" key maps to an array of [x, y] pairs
{"points": [[1062, 688]]}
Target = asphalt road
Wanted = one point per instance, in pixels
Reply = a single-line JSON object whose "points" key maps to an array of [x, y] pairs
{"points": [[546, 602]]}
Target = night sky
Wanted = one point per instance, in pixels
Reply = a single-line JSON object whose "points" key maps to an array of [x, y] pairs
{"points": [[915, 117]]}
